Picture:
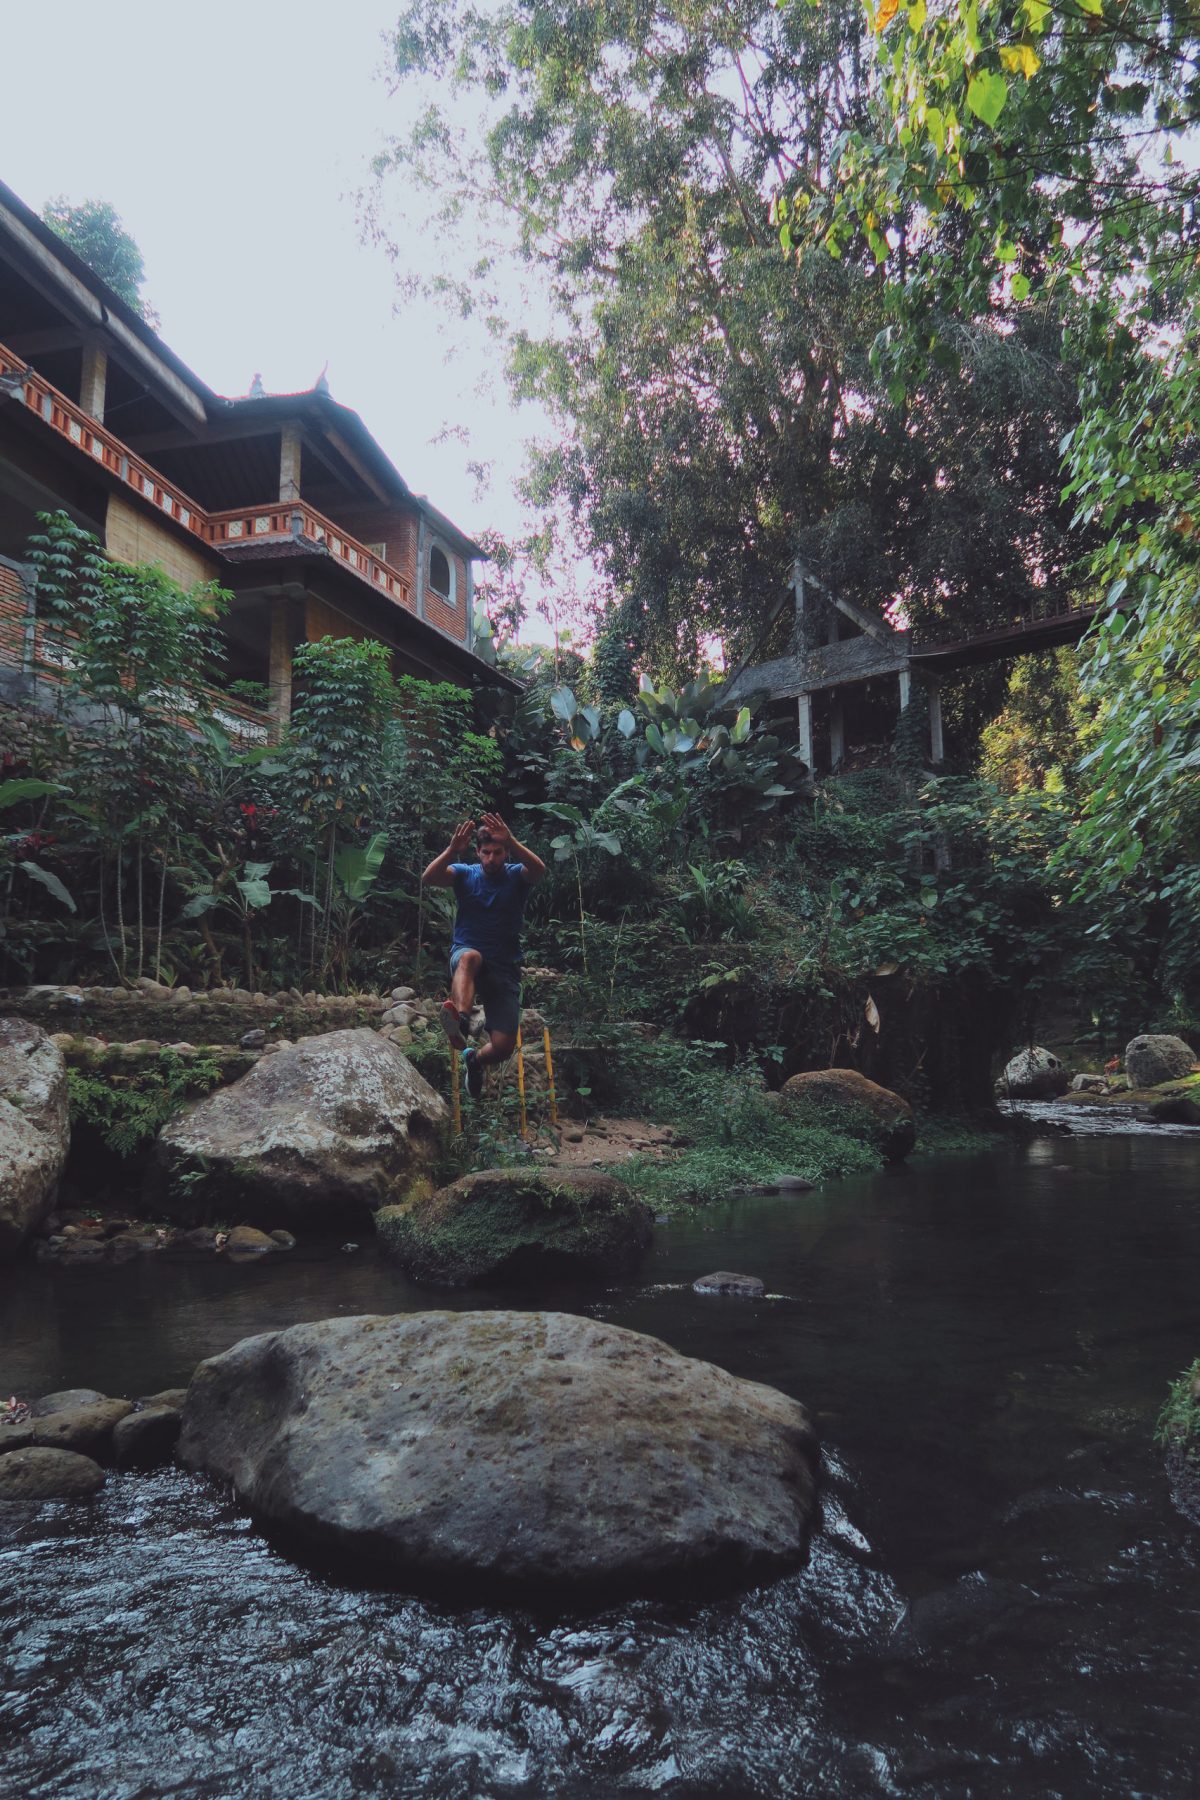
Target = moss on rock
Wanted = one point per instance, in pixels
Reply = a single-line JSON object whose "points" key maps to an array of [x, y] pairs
{"points": [[500, 1223], [861, 1108]]}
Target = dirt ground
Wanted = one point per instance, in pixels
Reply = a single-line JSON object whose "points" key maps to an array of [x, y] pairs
{"points": [[602, 1142]]}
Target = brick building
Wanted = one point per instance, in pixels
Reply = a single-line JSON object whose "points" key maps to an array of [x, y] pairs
{"points": [[285, 499]]}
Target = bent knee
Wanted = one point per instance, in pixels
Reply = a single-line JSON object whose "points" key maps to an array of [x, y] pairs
{"points": [[470, 959], [503, 1042]]}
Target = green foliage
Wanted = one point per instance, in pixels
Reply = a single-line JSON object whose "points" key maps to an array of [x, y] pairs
{"points": [[1178, 1426], [129, 1111], [94, 231]]}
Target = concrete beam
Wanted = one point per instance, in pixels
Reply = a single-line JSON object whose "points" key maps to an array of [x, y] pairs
{"points": [[93, 379]]}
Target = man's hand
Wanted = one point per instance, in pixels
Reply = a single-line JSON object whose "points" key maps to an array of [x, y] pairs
{"points": [[495, 827], [462, 837]]}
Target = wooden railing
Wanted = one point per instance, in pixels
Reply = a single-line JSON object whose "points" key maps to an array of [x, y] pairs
{"points": [[255, 524]]}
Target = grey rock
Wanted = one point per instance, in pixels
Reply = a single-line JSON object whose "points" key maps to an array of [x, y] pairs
{"points": [[284, 1239], [146, 1439], [402, 993], [1033, 1074], [35, 1129], [746, 1287], [43, 1474], [170, 1397], [253, 1040], [85, 1429], [15, 1436], [1155, 1057], [340, 1120], [1088, 1084], [66, 1400], [498, 1224], [519, 1448]]}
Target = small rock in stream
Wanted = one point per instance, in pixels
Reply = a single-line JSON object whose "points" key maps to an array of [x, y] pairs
{"points": [[44, 1474], [747, 1287]]}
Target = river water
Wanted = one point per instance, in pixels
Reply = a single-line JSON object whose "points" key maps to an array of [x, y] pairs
{"points": [[1002, 1600]]}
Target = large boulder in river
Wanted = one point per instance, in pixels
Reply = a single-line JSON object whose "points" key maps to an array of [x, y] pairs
{"points": [[852, 1103], [507, 1224], [525, 1449], [1034, 1074], [1154, 1057], [336, 1122], [35, 1128]]}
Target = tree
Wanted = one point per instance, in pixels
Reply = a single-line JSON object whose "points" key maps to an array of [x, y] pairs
{"points": [[1030, 151], [717, 410], [94, 231]]}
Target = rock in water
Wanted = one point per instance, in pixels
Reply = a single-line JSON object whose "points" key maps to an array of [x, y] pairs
{"points": [[519, 1448], [35, 1128], [37, 1474], [857, 1105], [1154, 1058], [340, 1120], [503, 1223], [1033, 1074], [745, 1287]]}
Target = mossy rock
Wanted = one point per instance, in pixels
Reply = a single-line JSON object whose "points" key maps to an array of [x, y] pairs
{"points": [[849, 1102], [503, 1224]]}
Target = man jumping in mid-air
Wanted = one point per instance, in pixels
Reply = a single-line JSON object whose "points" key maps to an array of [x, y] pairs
{"points": [[485, 956]]}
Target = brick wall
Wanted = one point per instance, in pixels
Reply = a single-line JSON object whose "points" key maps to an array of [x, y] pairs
{"points": [[13, 607], [395, 527], [322, 621], [130, 537]]}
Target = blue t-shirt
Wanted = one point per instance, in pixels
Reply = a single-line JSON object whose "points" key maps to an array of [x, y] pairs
{"points": [[489, 911]]}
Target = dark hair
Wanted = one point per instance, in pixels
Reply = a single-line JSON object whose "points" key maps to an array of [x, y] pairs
{"points": [[484, 836]]}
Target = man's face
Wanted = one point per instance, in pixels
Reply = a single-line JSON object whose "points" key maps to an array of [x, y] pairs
{"points": [[491, 855]]}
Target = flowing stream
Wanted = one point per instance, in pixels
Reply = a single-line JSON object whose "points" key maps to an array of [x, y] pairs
{"points": [[1002, 1600]]}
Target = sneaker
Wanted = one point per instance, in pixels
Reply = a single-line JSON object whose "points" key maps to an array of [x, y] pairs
{"points": [[454, 1025], [474, 1071]]}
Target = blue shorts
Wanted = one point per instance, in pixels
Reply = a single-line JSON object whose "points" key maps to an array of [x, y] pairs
{"points": [[498, 990]]}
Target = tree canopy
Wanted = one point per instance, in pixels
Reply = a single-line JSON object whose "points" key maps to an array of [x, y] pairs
{"points": [[94, 231], [716, 404]]}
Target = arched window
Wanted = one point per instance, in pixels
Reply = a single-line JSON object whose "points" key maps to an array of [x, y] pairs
{"points": [[441, 574]]}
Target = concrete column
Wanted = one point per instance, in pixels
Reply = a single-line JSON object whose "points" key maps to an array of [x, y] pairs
{"points": [[289, 462], [937, 747], [837, 731], [279, 672], [93, 379], [470, 602], [798, 625], [804, 717], [905, 689]]}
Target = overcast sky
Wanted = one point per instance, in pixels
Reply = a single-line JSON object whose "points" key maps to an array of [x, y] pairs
{"points": [[231, 138]]}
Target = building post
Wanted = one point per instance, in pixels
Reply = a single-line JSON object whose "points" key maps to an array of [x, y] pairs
{"points": [[804, 720], [289, 462], [905, 689], [837, 731], [421, 554], [93, 378], [470, 567], [279, 671], [937, 747]]}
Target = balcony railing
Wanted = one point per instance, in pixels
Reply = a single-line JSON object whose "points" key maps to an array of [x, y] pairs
{"points": [[255, 524]]}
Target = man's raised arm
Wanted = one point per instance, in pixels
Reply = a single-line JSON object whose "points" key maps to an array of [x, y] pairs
{"points": [[438, 873]]}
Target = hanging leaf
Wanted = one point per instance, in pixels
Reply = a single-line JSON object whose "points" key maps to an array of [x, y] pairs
{"points": [[871, 1013], [563, 702], [986, 95], [50, 882], [626, 723], [655, 740]]}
